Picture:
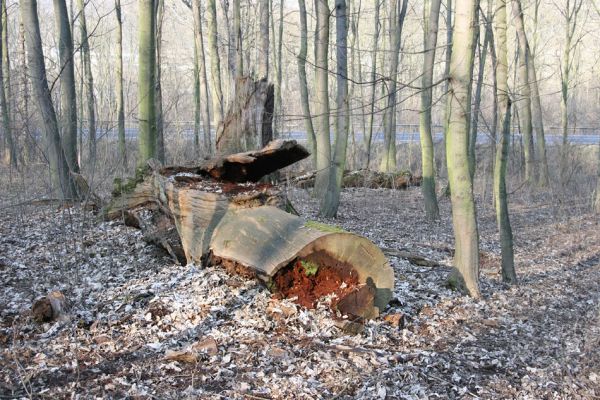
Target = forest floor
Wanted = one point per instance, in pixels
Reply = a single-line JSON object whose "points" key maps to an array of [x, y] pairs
{"points": [[131, 307]]}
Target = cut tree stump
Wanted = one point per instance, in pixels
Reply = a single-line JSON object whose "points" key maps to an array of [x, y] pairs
{"points": [[248, 122], [221, 216], [367, 179]]}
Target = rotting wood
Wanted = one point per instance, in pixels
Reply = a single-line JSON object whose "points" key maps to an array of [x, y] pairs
{"points": [[242, 225], [367, 179], [413, 258], [249, 119]]}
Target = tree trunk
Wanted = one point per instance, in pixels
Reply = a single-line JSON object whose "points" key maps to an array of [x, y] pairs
{"points": [[388, 162], [59, 170], [331, 201], [500, 195], [204, 92], [160, 135], [241, 228], [525, 101], [431, 12], [4, 105], [538, 124], [215, 63], [369, 136], [237, 32], [278, 101], [119, 87], [263, 53], [67, 81], [308, 125], [466, 258], [146, 81], [477, 101], [89, 82], [322, 98], [248, 122]]}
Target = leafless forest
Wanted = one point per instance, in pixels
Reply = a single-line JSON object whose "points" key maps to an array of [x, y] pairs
{"points": [[291, 199]]}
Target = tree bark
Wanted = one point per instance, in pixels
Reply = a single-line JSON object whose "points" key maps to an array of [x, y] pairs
{"points": [[466, 258], [304, 100], [59, 170], [146, 81], [322, 98], [89, 83], [237, 32], [204, 91], [215, 63], [119, 87], [388, 162], [374, 50], [331, 201], [431, 12], [525, 101], [500, 195], [160, 135], [4, 102], [263, 53], [538, 124]]}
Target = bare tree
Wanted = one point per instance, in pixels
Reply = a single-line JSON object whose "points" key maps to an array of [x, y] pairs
{"points": [[466, 257], [431, 12], [204, 91], [500, 195], [119, 86], [215, 64], [388, 161], [4, 103], [61, 179], [160, 135], [374, 50], [308, 125]]}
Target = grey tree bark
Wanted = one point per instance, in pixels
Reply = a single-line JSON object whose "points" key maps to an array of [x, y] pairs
{"points": [[500, 195], [431, 12], [331, 201], [160, 135], [11, 152], [119, 87], [466, 257], [237, 32], [215, 63], [304, 100], [61, 180], [322, 98], [204, 90], [374, 51], [68, 98], [146, 81], [388, 161], [89, 82], [263, 53], [525, 101]]}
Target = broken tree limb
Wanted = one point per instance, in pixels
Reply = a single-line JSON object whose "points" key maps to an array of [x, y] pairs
{"points": [[242, 226], [413, 258], [248, 122]]}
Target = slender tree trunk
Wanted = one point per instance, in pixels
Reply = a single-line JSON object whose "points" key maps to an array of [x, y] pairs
{"points": [[197, 100], [204, 90], [500, 195], [89, 82], [29, 145], [4, 105], [466, 257], [525, 101], [119, 87], [215, 64], [160, 135], [431, 12], [388, 162], [477, 102], [322, 99], [538, 124], [263, 59], [449, 34], [331, 201], [67, 81], [237, 32], [6, 55], [374, 50], [146, 81], [278, 101], [62, 182], [308, 125]]}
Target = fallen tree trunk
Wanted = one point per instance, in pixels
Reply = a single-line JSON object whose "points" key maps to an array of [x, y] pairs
{"points": [[367, 179], [241, 225]]}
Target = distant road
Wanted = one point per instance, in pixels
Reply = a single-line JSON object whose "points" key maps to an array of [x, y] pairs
{"points": [[401, 137]]}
